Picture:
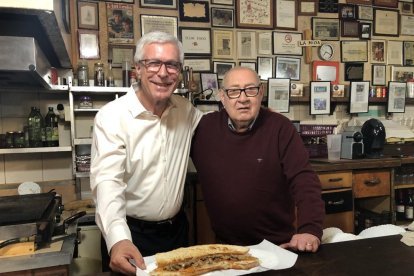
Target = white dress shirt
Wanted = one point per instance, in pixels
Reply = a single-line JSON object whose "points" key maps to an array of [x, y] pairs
{"points": [[139, 162]]}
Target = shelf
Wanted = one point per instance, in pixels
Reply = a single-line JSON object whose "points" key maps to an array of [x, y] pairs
{"points": [[403, 186], [82, 141], [36, 150], [98, 89], [85, 110]]}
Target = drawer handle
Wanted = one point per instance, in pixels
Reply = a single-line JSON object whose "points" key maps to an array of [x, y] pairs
{"points": [[372, 182], [339, 202], [335, 179]]}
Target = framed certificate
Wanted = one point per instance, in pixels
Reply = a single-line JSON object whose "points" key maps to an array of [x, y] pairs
{"points": [[394, 52], [320, 97], [386, 22], [167, 24], [88, 15], [278, 94], [246, 45], [396, 97], [379, 75], [196, 41], [286, 17], [358, 99], [223, 44], [287, 43], [407, 24], [354, 51]]}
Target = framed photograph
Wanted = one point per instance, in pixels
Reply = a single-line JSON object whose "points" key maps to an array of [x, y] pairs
{"points": [[354, 71], [223, 2], [265, 67], [386, 22], [405, 7], [209, 81], [365, 12], [246, 45], [378, 51], [249, 64], [354, 51], [396, 97], [407, 25], [223, 44], [194, 11], [159, 4], [379, 75], [347, 11], [408, 47], [198, 64], [287, 43], [196, 41], [278, 94], [328, 6], [287, 67], [349, 28], [264, 43], [338, 90], [223, 18], [386, 3], [286, 17], [88, 44], [255, 14], [325, 71], [325, 28], [296, 89], [166, 24], [320, 97], [308, 7], [120, 53], [402, 73], [364, 30], [221, 67], [394, 52], [358, 99], [120, 19], [88, 15]]}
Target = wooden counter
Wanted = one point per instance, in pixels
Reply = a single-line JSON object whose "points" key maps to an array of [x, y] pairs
{"points": [[325, 165]]}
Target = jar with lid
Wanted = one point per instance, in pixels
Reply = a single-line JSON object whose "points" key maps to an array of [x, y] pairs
{"points": [[83, 76], [99, 79]]}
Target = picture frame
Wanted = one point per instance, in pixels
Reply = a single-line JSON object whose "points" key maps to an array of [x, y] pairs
{"points": [[195, 41], [210, 81], [265, 67], [354, 71], [88, 44], [394, 52], [287, 43], [405, 7], [358, 98], [408, 53], [198, 64], [307, 7], [121, 53], [365, 12], [386, 3], [407, 23], [397, 92], [365, 29], [379, 75], [296, 89], [167, 24], [325, 71], [120, 20], [255, 14], [194, 11], [222, 17], [223, 2], [246, 44], [264, 43], [278, 94], [378, 51], [286, 15], [347, 11], [328, 6], [402, 73], [354, 51], [88, 15], [249, 64], [349, 28], [221, 67], [325, 28], [159, 4], [320, 97], [223, 44], [338, 91], [288, 67], [386, 22]]}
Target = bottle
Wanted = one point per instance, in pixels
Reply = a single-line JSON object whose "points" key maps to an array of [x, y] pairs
{"points": [[400, 205], [51, 128], [126, 72], [99, 79], [35, 124], [83, 77], [409, 207], [110, 80]]}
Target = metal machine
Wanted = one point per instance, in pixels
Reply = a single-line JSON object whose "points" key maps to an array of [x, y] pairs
{"points": [[352, 146]]}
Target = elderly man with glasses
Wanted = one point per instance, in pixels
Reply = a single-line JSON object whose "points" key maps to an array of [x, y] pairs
{"points": [[140, 152], [254, 171]]}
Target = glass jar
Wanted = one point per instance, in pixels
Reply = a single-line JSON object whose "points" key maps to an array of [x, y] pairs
{"points": [[85, 102], [18, 139], [83, 77], [99, 79], [9, 139]]}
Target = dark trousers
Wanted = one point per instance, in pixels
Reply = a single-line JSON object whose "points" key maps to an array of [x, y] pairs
{"points": [[151, 238]]}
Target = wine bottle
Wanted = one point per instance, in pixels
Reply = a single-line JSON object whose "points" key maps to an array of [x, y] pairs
{"points": [[409, 207], [400, 205], [51, 129], [35, 128]]}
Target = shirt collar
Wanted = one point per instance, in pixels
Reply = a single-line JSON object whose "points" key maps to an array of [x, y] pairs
{"points": [[233, 128]]}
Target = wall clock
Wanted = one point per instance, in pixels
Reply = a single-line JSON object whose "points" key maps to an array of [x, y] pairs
{"points": [[326, 51]]}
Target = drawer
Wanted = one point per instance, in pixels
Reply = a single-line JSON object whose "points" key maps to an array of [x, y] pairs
{"points": [[335, 180], [371, 183], [336, 202]]}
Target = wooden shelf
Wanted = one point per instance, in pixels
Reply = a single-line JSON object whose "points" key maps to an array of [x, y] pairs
{"points": [[35, 150]]}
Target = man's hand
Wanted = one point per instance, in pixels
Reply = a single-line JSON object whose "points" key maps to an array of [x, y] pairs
{"points": [[303, 242], [121, 254]]}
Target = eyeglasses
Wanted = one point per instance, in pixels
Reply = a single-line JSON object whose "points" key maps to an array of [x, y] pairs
{"points": [[154, 65], [234, 93]]}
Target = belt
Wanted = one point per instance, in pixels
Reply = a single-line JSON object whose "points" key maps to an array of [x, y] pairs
{"points": [[155, 224]]}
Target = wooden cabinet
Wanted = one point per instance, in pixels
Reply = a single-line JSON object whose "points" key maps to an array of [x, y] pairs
{"points": [[372, 183]]}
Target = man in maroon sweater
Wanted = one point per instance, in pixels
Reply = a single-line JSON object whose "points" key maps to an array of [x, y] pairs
{"points": [[254, 171]]}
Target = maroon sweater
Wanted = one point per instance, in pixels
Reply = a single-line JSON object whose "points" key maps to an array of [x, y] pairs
{"points": [[252, 181]]}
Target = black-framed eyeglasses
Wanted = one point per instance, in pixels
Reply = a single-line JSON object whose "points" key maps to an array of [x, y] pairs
{"points": [[234, 93], [154, 65]]}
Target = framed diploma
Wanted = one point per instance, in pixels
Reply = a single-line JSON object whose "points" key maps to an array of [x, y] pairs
{"points": [[198, 64], [265, 67], [358, 99], [167, 24], [286, 17], [264, 43], [379, 75], [407, 25], [196, 41], [278, 94], [394, 52], [255, 14], [246, 45], [320, 97], [223, 44], [88, 44], [354, 51], [287, 43], [396, 97], [386, 22], [307, 7], [325, 28], [88, 15]]}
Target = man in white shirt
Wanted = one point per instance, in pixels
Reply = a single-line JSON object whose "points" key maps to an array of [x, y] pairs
{"points": [[140, 152]]}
